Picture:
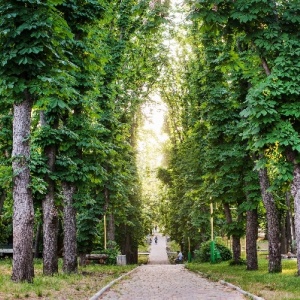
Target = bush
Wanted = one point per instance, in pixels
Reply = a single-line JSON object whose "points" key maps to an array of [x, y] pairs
{"points": [[112, 251], [203, 254]]}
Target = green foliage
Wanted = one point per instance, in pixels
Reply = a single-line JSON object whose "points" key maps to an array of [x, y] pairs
{"points": [[5, 231], [87, 222], [112, 251], [31, 43], [203, 254]]}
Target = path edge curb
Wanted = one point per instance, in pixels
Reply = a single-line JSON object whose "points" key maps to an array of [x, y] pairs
{"points": [[105, 288], [235, 288], [240, 290]]}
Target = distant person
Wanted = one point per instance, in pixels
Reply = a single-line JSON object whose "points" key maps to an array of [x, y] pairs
{"points": [[179, 258], [155, 239], [155, 228]]}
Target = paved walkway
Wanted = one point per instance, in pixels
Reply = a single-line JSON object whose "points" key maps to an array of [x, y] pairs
{"points": [[160, 280]]}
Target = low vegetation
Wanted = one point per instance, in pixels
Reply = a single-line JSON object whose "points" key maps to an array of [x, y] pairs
{"points": [[83, 285], [283, 286], [203, 254]]}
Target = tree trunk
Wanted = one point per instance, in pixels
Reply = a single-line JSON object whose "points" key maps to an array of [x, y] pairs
{"points": [[273, 223], [290, 223], [251, 239], [82, 259], [69, 227], [2, 199], [236, 241], [111, 228], [50, 213], [37, 240], [50, 231], [129, 248], [23, 214], [236, 248], [284, 236], [295, 191]]}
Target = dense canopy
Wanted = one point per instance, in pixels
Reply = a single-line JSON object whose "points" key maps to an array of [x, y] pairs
{"points": [[76, 76]]}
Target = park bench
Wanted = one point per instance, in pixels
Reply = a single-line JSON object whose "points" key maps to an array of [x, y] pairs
{"points": [[6, 250], [98, 258]]}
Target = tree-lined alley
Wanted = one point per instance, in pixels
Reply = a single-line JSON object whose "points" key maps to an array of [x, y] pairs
{"points": [[74, 76]]}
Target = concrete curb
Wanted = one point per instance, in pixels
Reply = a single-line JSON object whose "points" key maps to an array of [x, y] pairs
{"points": [[234, 287], [104, 289], [240, 290]]}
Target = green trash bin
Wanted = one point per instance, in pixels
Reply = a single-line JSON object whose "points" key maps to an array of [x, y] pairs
{"points": [[215, 255]]}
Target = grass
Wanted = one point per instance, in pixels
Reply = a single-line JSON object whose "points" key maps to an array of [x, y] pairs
{"points": [[83, 285], [279, 286]]}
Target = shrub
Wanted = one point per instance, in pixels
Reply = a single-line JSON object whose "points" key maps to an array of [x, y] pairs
{"points": [[203, 254], [112, 251]]}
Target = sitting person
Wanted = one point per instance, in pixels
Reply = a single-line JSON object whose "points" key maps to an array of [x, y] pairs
{"points": [[179, 258]]}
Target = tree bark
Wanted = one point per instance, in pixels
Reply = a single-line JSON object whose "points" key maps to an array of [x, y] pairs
{"points": [[23, 214], [50, 220], [129, 248], [50, 213], [290, 223], [251, 239], [69, 227], [111, 220], [82, 259], [295, 191], [273, 223], [50, 232], [2, 199], [284, 235], [37, 240], [236, 241], [111, 228]]}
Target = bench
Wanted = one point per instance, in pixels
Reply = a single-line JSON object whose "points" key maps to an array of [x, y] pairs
{"points": [[98, 258], [6, 250]]}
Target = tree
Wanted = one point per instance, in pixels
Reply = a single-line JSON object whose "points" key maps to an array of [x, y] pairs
{"points": [[30, 51]]}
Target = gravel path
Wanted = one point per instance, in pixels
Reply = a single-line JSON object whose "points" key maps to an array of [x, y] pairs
{"points": [[160, 280]]}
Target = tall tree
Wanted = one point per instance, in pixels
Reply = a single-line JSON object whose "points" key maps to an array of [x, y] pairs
{"points": [[30, 48], [81, 19]]}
